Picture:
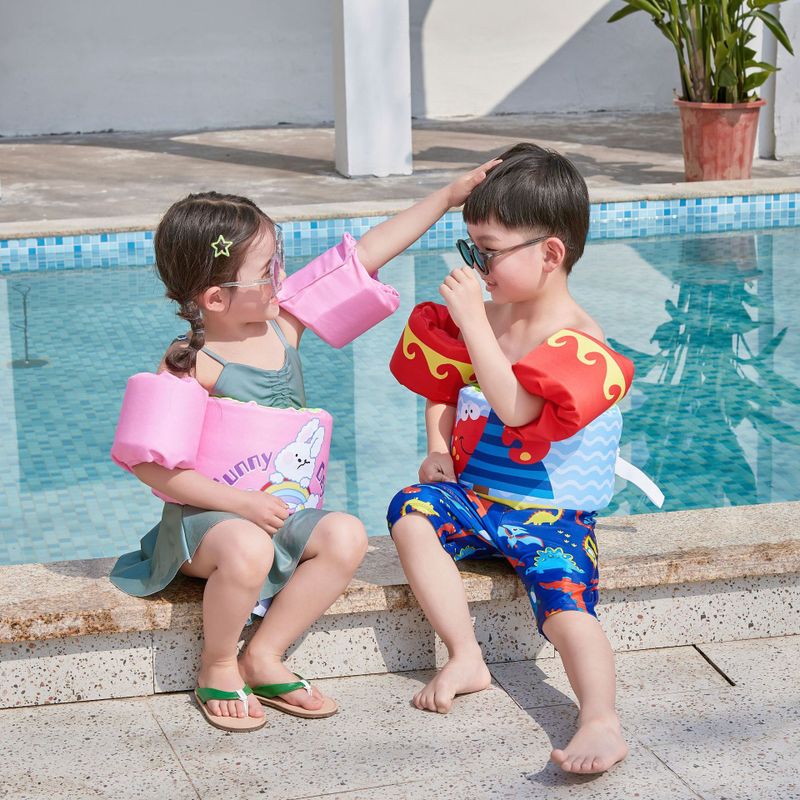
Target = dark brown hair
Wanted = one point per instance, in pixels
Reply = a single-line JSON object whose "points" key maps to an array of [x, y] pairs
{"points": [[186, 261], [535, 189]]}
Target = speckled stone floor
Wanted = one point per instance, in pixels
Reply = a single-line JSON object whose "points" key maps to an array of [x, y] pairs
{"points": [[719, 721]]}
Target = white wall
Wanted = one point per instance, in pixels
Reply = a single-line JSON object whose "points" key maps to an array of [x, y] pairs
{"points": [[517, 56], [88, 65], [787, 86]]}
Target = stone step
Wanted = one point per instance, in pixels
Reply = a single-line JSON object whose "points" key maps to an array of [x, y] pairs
{"points": [[669, 579]]}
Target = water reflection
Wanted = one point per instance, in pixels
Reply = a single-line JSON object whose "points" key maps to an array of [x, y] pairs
{"points": [[711, 387], [713, 416]]}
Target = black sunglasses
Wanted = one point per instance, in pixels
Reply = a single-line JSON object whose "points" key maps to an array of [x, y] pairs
{"points": [[482, 259]]}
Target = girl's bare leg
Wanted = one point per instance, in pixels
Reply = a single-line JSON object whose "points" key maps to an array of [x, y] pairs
{"points": [[436, 582], [235, 557], [589, 663], [334, 551]]}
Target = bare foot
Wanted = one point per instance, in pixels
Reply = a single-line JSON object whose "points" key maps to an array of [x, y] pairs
{"points": [[226, 677], [260, 670], [596, 746], [460, 675]]}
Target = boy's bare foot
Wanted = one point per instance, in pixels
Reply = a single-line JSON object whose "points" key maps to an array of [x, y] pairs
{"points": [[259, 670], [460, 675], [596, 746], [226, 677]]}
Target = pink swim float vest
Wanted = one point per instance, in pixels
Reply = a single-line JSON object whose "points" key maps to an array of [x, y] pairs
{"points": [[174, 422]]}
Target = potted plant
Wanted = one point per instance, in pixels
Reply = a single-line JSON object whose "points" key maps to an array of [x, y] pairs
{"points": [[720, 73]]}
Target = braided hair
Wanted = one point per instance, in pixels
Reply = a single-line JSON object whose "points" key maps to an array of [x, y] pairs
{"points": [[188, 265]]}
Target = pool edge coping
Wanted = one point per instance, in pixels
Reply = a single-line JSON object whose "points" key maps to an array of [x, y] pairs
{"points": [[624, 193], [41, 609]]}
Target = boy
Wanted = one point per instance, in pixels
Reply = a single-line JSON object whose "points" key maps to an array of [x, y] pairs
{"points": [[523, 430]]}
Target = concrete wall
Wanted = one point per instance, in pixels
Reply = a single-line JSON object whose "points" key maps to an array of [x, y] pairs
{"points": [[91, 65], [516, 56], [787, 86]]}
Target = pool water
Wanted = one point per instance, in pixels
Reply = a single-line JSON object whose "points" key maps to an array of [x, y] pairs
{"points": [[710, 321]]}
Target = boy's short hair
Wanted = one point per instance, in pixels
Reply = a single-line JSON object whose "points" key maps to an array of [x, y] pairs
{"points": [[535, 189]]}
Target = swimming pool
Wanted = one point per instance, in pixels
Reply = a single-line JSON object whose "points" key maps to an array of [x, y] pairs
{"points": [[709, 319]]}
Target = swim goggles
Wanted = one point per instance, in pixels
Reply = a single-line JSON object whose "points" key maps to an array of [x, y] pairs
{"points": [[274, 274], [482, 259]]}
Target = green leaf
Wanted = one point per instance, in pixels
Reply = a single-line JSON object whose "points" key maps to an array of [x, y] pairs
{"points": [[732, 38], [774, 24], [726, 77], [765, 65], [754, 80], [651, 8], [622, 13], [720, 56]]}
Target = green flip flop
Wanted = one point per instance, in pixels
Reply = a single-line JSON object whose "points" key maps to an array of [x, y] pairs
{"points": [[234, 724], [267, 694]]}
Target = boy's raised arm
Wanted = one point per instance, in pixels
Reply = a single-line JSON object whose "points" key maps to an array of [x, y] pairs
{"points": [[383, 242], [512, 403]]}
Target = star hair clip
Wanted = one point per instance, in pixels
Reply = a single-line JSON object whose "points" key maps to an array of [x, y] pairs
{"points": [[221, 247]]}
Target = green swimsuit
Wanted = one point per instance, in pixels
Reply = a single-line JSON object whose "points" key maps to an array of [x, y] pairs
{"points": [[176, 538]]}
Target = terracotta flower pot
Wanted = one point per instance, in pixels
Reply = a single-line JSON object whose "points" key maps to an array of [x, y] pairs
{"points": [[718, 139]]}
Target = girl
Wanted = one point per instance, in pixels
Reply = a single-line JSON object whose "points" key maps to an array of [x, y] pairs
{"points": [[220, 258]]}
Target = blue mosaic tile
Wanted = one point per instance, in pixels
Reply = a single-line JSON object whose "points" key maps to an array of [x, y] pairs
{"points": [[309, 237], [63, 498]]}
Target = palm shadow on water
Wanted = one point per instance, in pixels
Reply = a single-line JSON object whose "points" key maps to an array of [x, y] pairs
{"points": [[712, 383]]}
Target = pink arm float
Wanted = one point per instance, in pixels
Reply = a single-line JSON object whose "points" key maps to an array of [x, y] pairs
{"points": [[161, 421], [336, 297], [173, 422]]}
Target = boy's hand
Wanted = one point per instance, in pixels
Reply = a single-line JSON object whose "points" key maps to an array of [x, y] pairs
{"points": [[462, 293], [459, 190], [436, 468], [267, 511]]}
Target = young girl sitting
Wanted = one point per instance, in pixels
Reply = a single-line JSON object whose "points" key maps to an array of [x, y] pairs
{"points": [[220, 258]]}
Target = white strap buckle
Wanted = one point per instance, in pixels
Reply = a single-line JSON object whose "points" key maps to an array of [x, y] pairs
{"points": [[629, 472]]}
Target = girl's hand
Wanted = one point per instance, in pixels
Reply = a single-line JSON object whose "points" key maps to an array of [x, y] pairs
{"points": [[459, 190], [437, 467], [267, 511], [462, 293]]}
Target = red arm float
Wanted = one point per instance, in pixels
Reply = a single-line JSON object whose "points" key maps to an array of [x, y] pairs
{"points": [[578, 377], [429, 358]]}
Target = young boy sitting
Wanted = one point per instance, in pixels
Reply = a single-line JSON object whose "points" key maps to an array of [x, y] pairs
{"points": [[523, 430]]}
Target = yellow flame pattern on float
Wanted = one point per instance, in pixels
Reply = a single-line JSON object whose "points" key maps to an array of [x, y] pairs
{"points": [[434, 360], [588, 347]]}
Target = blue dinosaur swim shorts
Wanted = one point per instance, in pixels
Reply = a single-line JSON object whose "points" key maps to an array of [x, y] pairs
{"points": [[553, 550]]}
